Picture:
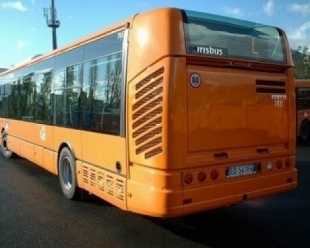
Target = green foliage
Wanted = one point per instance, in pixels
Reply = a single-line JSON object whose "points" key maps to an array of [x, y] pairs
{"points": [[301, 62]]}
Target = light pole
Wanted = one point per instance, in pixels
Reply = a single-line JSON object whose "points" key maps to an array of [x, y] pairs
{"points": [[52, 22]]}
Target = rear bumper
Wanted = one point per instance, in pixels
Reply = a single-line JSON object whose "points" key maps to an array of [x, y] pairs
{"points": [[192, 199]]}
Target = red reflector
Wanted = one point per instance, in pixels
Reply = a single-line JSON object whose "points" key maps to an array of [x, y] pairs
{"points": [[287, 163], [214, 174], [279, 164], [202, 176], [188, 178]]}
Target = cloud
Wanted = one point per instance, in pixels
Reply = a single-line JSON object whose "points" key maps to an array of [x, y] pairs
{"points": [[300, 8], [234, 11], [299, 36], [14, 5], [269, 7], [21, 44]]}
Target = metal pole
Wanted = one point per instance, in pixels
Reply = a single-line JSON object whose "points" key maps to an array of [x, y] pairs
{"points": [[54, 26], [52, 22]]}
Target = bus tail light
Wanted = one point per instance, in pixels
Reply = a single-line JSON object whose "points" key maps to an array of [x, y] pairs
{"points": [[202, 176], [188, 178], [279, 164], [214, 174]]}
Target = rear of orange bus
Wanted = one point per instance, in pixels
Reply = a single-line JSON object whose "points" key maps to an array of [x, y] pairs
{"points": [[211, 112]]}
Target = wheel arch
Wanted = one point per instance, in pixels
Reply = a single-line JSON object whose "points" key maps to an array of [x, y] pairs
{"points": [[62, 146]]}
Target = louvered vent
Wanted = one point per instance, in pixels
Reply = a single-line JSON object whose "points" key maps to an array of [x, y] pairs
{"points": [[103, 181], [272, 87], [147, 115]]}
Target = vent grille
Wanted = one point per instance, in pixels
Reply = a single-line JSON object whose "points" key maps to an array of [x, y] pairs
{"points": [[148, 115], [272, 87], [103, 181]]}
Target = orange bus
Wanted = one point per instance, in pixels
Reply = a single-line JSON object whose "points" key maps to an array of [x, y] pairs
{"points": [[303, 108], [167, 113]]}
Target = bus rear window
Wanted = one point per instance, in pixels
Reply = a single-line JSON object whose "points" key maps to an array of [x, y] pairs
{"points": [[212, 35]]}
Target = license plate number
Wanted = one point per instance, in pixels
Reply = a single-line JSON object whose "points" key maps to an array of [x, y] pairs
{"points": [[241, 170]]}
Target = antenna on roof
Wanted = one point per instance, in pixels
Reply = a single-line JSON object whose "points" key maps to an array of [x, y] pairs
{"points": [[52, 22]]}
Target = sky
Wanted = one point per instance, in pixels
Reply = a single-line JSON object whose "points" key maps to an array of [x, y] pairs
{"points": [[24, 32]]}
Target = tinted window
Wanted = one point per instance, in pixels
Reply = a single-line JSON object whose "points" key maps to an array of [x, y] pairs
{"points": [[108, 45], [69, 58], [80, 88], [67, 88], [42, 96], [102, 94]]}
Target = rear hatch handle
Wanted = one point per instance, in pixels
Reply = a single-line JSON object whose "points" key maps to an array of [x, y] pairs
{"points": [[262, 150], [220, 155]]}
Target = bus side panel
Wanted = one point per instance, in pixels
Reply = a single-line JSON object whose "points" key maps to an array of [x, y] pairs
{"points": [[14, 144], [32, 141], [104, 184], [26, 131], [13, 130], [68, 136], [104, 174], [43, 138], [104, 151], [49, 162], [38, 155], [43, 135], [26, 137], [27, 150]]}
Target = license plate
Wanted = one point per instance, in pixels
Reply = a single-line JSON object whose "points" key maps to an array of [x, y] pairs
{"points": [[241, 170]]}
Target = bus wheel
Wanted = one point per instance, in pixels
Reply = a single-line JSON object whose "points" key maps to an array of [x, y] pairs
{"points": [[304, 130], [67, 175], [4, 146]]}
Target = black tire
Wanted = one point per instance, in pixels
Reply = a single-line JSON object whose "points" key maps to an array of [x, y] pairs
{"points": [[304, 131], [67, 175], [4, 147]]}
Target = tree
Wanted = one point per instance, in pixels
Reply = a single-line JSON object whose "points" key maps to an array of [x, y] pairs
{"points": [[301, 62]]}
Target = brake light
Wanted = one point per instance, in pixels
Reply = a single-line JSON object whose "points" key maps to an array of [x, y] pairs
{"points": [[214, 174], [188, 178], [202, 176], [279, 164]]}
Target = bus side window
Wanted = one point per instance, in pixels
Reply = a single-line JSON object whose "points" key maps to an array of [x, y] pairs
{"points": [[42, 99], [102, 79], [59, 105]]}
